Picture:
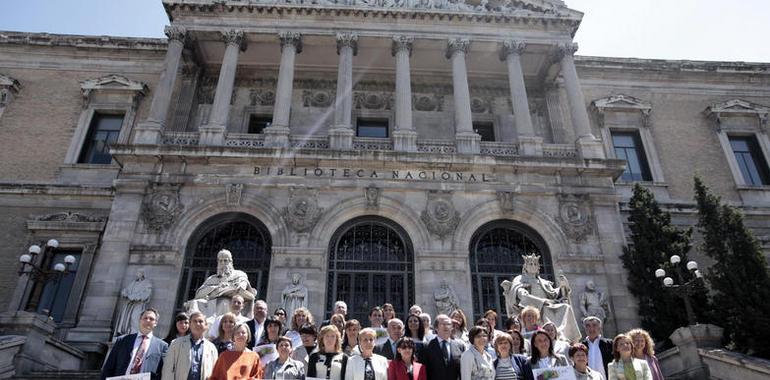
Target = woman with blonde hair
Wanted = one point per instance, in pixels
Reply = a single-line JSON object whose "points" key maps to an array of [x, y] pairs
{"points": [[459, 325], [529, 318], [624, 366], [329, 361], [224, 339], [298, 319], [644, 348]]}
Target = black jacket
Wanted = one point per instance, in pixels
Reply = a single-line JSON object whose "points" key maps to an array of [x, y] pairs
{"points": [[432, 358], [605, 346], [119, 357]]}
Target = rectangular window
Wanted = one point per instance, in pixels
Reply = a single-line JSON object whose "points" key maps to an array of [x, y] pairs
{"points": [[258, 123], [628, 146], [56, 291], [102, 133], [372, 127], [750, 160], [486, 129]]}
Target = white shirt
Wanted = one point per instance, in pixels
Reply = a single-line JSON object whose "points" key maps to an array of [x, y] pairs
{"points": [[137, 342], [448, 346], [595, 361]]}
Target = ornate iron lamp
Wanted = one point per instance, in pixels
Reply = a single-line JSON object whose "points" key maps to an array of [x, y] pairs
{"points": [[685, 289], [39, 274]]}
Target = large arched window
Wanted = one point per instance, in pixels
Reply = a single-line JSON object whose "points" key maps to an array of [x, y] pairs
{"points": [[370, 262], [243, 235], [495, 255]]}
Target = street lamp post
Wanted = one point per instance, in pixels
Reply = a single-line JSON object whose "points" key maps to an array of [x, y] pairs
{"points": [[684, 289], [39, 274]]}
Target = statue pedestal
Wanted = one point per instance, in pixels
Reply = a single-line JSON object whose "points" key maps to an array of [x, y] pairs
{"points": [[687, 363]]}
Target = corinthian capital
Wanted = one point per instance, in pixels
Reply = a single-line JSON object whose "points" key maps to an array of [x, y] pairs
{"points": [[348, 39], [455, 45], [234, 37], [401, 43], [568, 48], [511, 47], [291, 39], [175, 33]]}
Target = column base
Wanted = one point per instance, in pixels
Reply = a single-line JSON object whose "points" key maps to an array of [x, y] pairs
{"points": [[530, 146], [148, 133], [341, 138], [468, 142], [212, 135], [405, 141], [276, 136], [590, 147]]}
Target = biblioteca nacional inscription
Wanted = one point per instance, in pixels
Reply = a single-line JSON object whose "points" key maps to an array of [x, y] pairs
{"points": [[413, 175]]}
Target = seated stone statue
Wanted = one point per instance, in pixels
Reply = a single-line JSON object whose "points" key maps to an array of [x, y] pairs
{"points": [[213, 297], [529, 289]]}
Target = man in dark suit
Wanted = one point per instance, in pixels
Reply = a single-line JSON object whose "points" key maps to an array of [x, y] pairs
{"points": [[395, 332], [599, 348], [257, 324], [441, 356], [137, 353]]}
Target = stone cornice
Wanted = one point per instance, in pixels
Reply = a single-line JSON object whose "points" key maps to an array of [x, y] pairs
{"points": [[546, 13], [79, 41], [722, 67]]}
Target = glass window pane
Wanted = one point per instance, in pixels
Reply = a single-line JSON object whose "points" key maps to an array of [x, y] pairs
{"points": [[628, 146], [56, 292], [485, 129], [372, 128], [750, 160], [102, 133], [258, 123]]}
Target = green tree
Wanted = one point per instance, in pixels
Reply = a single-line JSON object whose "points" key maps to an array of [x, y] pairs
{"points": [[653, 241], [739, 279]]}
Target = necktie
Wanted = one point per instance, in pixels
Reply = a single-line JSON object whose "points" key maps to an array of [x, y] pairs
{"points": [[443, 350], [137, 364]]}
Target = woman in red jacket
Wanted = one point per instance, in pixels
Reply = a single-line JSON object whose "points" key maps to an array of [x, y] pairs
{"points": [[404, 367]]}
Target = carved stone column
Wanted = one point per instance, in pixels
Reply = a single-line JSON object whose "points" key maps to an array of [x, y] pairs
{"points": [[404, 137], [588, 146], [341, 134], [530, 144], [277, 134], [468, 141], [213, 133], [150, 130]]}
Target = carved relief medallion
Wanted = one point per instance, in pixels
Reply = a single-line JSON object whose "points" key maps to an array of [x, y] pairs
{"points": [[233, 193], [440, 216], [428, 102], [312, 98], [575, 216], [302, 212], [262, 97], [506, 200], [161, 207], [373, 100]]}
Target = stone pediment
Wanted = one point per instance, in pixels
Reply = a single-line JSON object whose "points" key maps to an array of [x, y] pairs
{"points": [[509, 7], [737, 106], [113, 82], [621, 103]]}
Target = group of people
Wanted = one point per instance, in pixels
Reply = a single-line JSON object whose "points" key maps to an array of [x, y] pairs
{"points": [[416, 348]]}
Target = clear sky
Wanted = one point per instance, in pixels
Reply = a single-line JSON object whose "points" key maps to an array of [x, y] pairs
{"points": [[724, 30]]}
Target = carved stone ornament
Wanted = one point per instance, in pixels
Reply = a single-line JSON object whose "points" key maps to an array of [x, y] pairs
{"points": [[481, 104], [347, 40], [112, 83], [175, 32], [511, 47], [372, 194], [312, 98], [568, 48], [233, 192], [291, 39], [302, 212], [456, 45], [739, 107], [262, 97], [373, 100], [506, 199], [235, 37], [440, 216], [69, 216], [575, 216], [401, 43], [428, 102], [161, 207]]}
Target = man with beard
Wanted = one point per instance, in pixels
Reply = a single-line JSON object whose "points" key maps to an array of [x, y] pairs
{"points": [[227, 283]]}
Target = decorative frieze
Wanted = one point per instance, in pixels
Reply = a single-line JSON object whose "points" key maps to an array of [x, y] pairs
{"points": [[318, 98], [428, 102], [261, 97], [482, 104], [575, 216], [373, 100], [70, 216]]}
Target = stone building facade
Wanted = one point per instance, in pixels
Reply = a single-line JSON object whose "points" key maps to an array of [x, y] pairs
{"points": [[379, 149]]}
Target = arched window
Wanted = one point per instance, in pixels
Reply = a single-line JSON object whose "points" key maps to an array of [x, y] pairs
{"points": [[370, 262], [243, 235], [495, 255]]}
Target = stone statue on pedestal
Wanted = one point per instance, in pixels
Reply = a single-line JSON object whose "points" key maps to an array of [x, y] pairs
{"points": [[294, 296], [445, 298], [213, 297], [134, 298], [594, 303], [529, 289]]}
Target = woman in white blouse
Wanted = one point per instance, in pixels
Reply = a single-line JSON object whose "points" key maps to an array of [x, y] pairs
{"points": [[542, 355], [476, 363]]}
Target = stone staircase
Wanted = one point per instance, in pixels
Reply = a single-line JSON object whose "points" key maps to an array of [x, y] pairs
{"points": [[68, 375]]}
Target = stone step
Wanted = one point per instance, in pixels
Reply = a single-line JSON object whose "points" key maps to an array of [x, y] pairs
{"points": [[69, 375]]}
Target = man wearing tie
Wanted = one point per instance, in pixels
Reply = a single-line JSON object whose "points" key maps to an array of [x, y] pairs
{"points": [[441, 356], [137, 353], [395, 332]]}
